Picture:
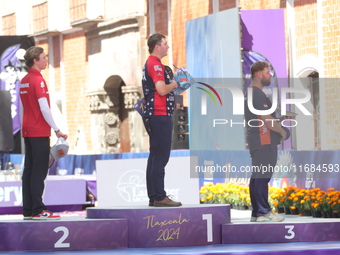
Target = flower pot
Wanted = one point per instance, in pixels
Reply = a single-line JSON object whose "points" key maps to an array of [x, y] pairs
{"points": [[250, 207], [329, 214], [324, 214], [307, 213], [336, 215], [316, 214], [287, 210], [243, 207], [294, 211], [280, 210]]}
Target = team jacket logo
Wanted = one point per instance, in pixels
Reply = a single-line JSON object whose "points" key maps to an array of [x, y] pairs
{"points": [[157, 68]]}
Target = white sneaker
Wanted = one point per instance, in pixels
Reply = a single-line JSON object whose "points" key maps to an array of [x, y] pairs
{"points": [[270, 217]]}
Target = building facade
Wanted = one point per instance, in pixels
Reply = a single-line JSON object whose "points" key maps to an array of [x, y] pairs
{"points": [[97, 49]]}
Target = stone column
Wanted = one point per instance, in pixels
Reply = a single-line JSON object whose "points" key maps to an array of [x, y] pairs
{"points": [[104, 121], [131, 97]]}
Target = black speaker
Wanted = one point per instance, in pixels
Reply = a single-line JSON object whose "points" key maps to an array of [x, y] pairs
{"points": [[180, 134], [6, 126]]}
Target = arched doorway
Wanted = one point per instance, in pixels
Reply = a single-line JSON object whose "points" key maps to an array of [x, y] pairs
{"points": [[113, 88], [309, 128]]}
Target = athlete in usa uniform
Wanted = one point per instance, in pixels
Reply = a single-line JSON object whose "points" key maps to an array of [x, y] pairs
{"points": [[157, 117], [156, 104]]}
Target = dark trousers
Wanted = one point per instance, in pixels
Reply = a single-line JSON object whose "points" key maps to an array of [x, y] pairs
{"points": [[266, 155], [35, 172], [159, 128]]}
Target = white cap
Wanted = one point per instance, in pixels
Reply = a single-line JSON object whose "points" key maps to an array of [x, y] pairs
{"points": [[60, 149]]}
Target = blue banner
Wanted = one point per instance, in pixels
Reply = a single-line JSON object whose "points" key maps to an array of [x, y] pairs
{"points": [[302, 169]]}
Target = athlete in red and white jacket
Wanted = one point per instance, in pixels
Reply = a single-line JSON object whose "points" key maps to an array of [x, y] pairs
{"points": [[36, 130]]}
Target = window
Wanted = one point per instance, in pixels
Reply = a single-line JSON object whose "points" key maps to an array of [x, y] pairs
{"points": [[77, 10], [40, 17], [9, 24]]}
